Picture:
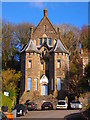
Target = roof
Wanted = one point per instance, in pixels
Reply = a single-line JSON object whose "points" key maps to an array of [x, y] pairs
{"points": [[59, 47], [30, 47], [45, 17]]}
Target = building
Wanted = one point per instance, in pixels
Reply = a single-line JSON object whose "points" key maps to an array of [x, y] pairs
{"points": [[44, 59], [84, 55]]}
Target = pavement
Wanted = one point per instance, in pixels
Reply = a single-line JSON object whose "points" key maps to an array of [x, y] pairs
{"points": [[66, 114]]}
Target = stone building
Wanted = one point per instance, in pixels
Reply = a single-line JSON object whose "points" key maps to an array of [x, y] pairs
{"points": [[44, 59], [84, 55]]}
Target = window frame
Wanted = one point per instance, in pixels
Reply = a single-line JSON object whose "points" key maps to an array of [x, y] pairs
{"points": [[49, 41], [29, 83], [29, 63], [40, 41], [36, 84], [58, 87], [58, 63]]}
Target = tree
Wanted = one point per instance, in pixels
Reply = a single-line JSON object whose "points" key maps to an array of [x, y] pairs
{"points": [[10, 79], [85, 38]]}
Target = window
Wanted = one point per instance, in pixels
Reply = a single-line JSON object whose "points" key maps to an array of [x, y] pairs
{"points": [[29, 84], [58, 84], [45, 40], [40, 41], [42, 66], [58, 63], [29, 64], [49, 41], [45, 28], [36, 84]]}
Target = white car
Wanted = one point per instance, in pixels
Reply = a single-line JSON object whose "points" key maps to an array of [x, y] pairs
{"points": [[62, 104], [76, 104]]}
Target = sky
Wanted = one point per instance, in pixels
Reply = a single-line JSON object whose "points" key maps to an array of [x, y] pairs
{"points": [[74, 13]]}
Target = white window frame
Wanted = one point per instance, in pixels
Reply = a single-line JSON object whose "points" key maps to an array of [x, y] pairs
{"points": [[29, 83], [58, 84]]}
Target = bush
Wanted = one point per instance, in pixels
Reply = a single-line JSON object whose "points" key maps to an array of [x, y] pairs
{"points": [[6, 101]]}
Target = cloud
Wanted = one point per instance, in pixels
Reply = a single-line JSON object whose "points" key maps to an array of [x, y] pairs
{"points": [[37, 4]]}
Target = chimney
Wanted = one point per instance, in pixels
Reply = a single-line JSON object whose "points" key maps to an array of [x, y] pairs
{"points": [[45, 12], [58, 29], [31, 32]]}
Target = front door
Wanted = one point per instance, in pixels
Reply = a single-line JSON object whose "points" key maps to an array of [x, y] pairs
{"points": [[44, 90]]}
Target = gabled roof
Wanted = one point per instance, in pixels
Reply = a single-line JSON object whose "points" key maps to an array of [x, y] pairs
{"points": [[48, 21], [59, 47], [30, 47]]}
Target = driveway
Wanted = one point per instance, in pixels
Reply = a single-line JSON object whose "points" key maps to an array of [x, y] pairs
{"points": [[53, 114]]}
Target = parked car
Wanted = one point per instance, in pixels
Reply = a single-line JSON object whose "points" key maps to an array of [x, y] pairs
{"points": [[21, 109], [31, 105], [75, 104], [62, 104], [2, 116], [47, 105]]}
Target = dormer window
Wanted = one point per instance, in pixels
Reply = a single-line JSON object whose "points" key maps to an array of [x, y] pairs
{"points": [[49, 41], [40, 41], [45, 28]]}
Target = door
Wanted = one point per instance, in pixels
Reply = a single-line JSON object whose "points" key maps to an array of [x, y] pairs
{"points": [[44, 90]]}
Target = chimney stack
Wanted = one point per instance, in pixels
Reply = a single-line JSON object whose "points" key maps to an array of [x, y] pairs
{"points": [[31, 32], [58, 29], [45, 12]]}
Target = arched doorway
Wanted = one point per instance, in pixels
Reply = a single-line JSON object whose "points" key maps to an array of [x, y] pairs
{"points": [[44, 85], [44, 90]]}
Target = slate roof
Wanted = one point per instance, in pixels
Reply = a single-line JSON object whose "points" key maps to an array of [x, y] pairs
{"points": [[30, 47], [59, 47]]}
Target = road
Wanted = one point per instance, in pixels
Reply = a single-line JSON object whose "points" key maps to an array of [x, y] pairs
{"points": [[53, 114]]}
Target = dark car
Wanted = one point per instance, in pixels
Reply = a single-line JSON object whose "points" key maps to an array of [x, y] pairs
{"points": [[31, 105], [2, 116], [21, 109], [47, 105]]}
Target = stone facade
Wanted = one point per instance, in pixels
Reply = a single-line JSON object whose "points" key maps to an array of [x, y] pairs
{"points": [[84, 54], [44, 60]]}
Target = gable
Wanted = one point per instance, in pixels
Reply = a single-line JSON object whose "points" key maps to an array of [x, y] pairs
{"points": [[40, 29]]}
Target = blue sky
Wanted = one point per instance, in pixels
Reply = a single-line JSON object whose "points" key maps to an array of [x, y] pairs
{"points": [[58, 12]]}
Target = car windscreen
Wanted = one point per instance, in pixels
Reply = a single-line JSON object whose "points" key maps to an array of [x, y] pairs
{"points": [[61, 103]]}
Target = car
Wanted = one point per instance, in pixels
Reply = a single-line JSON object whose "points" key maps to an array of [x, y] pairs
{"points": [[75, 104], [47, 105], [2, 116], [21, 109], [31, 106], [62, 104]]}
